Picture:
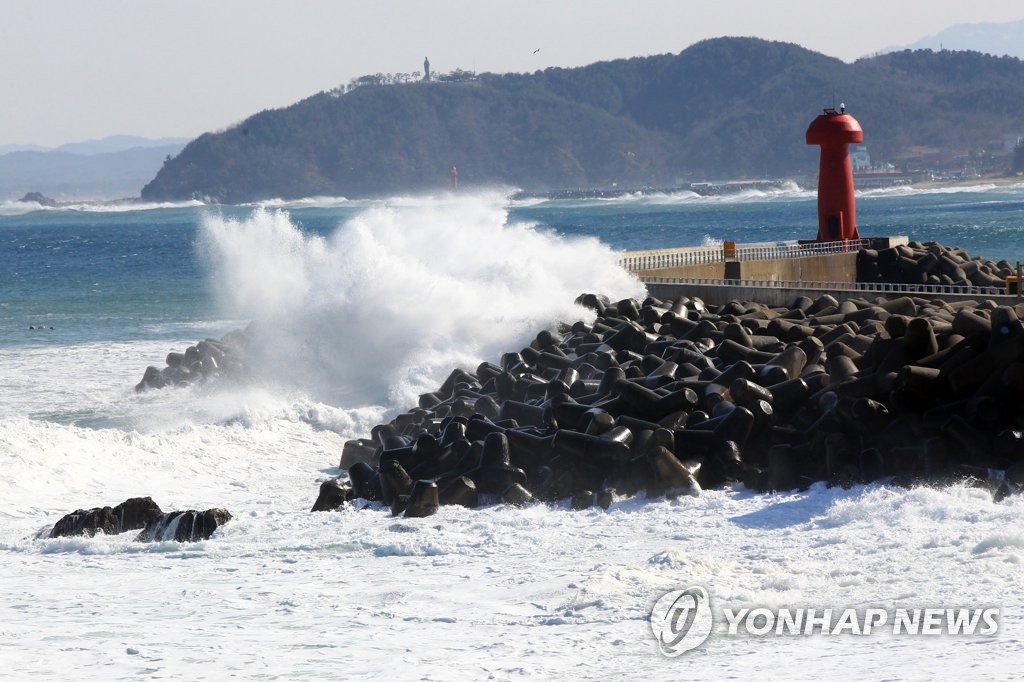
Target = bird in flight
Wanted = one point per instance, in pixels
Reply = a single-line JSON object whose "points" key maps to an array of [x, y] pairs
{"points": [[536, 51]]}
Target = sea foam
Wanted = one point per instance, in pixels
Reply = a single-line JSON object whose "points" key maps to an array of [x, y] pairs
{"points": [[16, 208]]}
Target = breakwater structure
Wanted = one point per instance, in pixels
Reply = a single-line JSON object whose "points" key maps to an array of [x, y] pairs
{"points": [[843, 359], [671, 396]]}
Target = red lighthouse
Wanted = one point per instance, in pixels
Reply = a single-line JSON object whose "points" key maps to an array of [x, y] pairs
{"points": [[837, 211]]}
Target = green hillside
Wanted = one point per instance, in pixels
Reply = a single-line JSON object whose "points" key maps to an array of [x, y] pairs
{"points": [[723, 108]]}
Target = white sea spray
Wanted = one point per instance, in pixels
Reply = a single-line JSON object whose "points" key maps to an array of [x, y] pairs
{"points": [[385, 306]]}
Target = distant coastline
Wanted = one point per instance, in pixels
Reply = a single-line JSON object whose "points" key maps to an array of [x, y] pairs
{"points": [[704, 189], [998, 180], [725, 188]]}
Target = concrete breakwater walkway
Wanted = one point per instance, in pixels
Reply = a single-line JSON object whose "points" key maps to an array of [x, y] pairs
{"points": [[777, 272], [779, 293]]}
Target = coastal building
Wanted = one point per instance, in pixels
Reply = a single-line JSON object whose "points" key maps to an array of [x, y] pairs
{"points": [[859, 158]]}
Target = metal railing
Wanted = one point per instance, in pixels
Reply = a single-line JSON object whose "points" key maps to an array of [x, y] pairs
{"points": [[880, 287], [659, 259], [638, 261]]}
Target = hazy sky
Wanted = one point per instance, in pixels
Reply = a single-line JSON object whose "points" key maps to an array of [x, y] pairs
{"points": [[77, 70]]}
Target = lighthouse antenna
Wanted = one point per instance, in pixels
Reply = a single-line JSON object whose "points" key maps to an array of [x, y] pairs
{"points": [[831, 111]]}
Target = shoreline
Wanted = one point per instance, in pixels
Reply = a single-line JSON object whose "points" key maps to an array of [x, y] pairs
{"points": [[998, 181], [703, 188], [730, 187]]}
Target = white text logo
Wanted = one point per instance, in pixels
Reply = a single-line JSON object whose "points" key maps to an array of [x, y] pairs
{"points": [[681, 620]]}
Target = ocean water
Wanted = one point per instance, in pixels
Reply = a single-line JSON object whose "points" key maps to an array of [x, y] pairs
{"points": [[363, 305]]}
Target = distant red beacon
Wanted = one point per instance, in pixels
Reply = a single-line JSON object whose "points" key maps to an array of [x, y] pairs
{"points": [[834, 131]]}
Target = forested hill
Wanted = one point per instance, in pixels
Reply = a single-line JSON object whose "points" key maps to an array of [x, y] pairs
{"points": [[723, 108]]}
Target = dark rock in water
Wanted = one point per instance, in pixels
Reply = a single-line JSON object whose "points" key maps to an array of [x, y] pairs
{"points": [[208, 359], [152, 378], [605, 498], [517, 495], [184, 526], [358, 451], [584, 499], [132, 514], [423, 500], [41, 199], [88, 522], [333, 493], [365, 481], [461, 491], [394, 481]]}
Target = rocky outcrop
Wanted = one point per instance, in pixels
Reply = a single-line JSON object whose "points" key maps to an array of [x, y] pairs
{"points": [[39, 198], [142, 513], [671, 397], [132, 514], [184, 526]]}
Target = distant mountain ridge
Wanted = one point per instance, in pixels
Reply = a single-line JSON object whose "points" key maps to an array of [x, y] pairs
{"points": [[997, 39], [120, 143], [114, 167], [722, 108], [106, 145]]}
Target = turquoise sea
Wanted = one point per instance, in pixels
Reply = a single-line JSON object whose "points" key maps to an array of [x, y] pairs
{"points": [[133, 271]]}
